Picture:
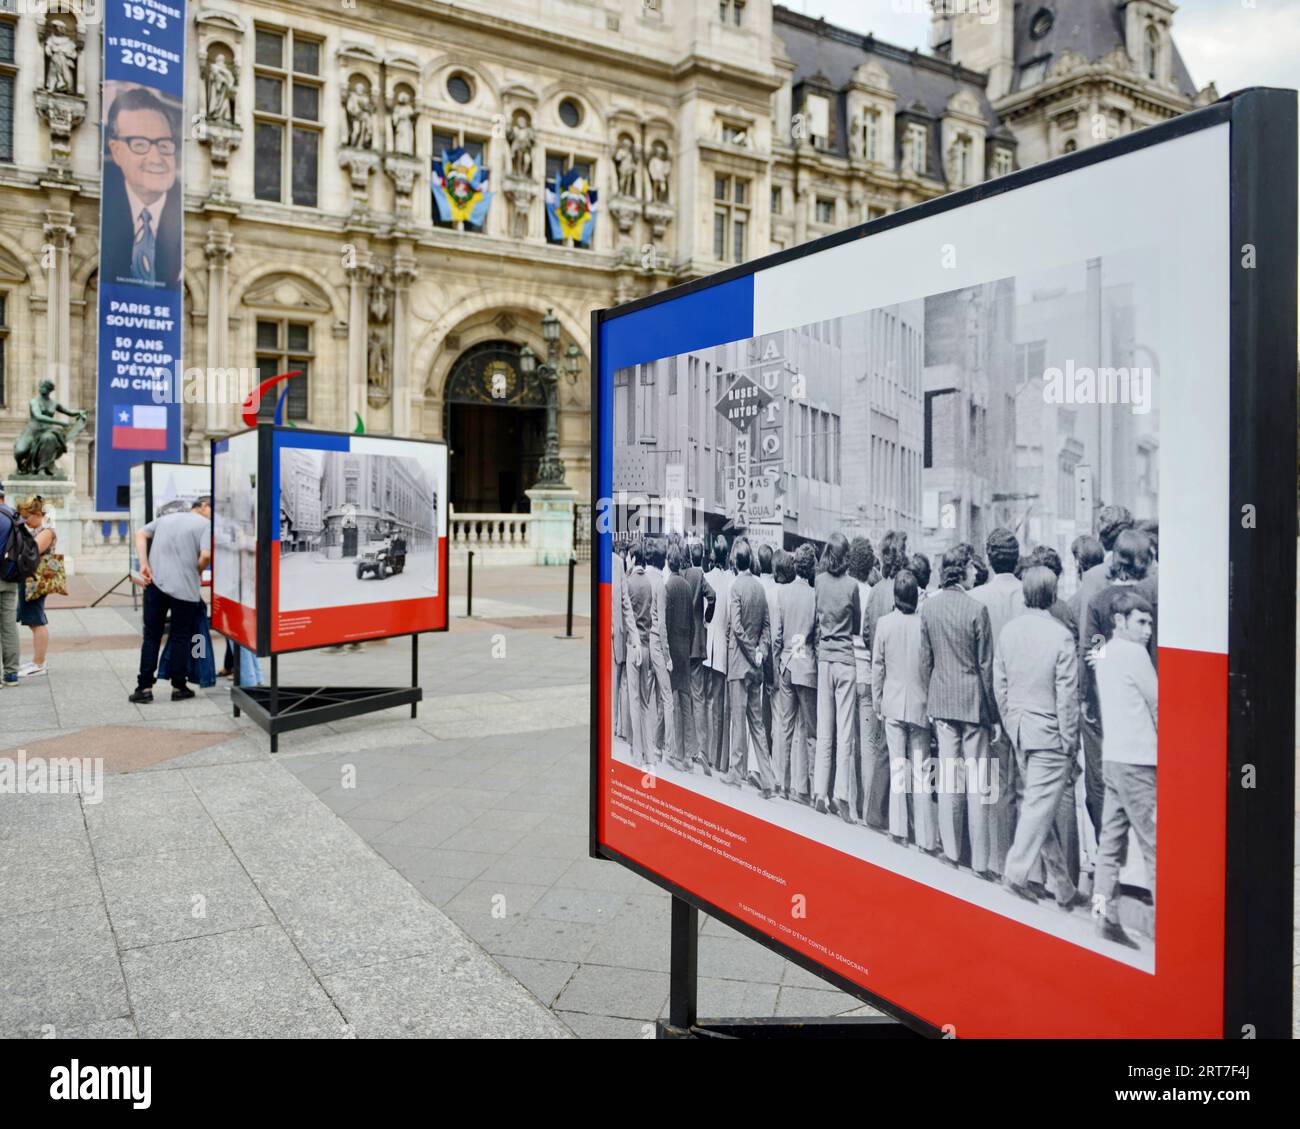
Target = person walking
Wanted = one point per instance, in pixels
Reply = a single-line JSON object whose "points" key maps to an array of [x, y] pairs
{"points": [[794, 642], [173, 551], [839, 618], [1035, 680], [31, 610], [901, 664], [749, 640], [1127, 691], [961, 705]]}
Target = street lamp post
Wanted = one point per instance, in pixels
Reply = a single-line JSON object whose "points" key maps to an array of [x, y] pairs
{"points": [[551, 472]]}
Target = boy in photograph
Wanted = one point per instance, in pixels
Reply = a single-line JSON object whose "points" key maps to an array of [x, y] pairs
{"points": [[961, 704], [656, 561], [702, 604], [1126, 689], [1088, 553], [875, 755], [862, 563], [900, 677]]}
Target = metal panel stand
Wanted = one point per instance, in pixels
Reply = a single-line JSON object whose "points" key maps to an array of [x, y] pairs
{"points": [[278, 709], [684, 979]]}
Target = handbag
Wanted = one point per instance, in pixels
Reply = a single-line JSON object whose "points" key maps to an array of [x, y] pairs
{"points": [[50, 579]]}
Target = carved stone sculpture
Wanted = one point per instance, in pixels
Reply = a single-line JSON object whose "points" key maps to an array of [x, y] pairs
{"points": [[46, 438]]}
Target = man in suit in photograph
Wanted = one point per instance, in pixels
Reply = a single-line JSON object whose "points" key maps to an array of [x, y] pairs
{"points": [[641, 689], [1088, 552], [142, 202], [677, 632], [763, 557], [719, 580], [794, 643], [901, 664], [749, 642], [875, 752], [839, 619], [1003, 597], [619, 618], [961, 703], [703, 600], [656, 562], [1035, 680]]}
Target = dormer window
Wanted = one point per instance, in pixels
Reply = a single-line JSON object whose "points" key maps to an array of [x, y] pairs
{"points": [[1002, 162], [915, 157], [1151, 58], [817, 115], [731, 11], [871, 136]]}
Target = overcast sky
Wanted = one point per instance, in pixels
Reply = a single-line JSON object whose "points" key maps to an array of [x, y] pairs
{"points": [[1233, 43]]}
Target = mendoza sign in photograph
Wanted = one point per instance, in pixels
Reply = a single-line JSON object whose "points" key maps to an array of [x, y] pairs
{"points": [[141, 244], [993, 726]]}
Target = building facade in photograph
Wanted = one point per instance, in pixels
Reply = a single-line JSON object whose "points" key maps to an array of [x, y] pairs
{"points": [[711, 133], [372, 497]]}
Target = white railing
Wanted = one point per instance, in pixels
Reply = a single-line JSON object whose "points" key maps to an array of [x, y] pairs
{"points": [[491, 531]]}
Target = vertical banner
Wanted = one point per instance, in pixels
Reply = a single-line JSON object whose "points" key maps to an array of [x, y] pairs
{"points": [[141, 244]]}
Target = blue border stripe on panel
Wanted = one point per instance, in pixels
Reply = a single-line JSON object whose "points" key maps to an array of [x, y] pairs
{"points": [[697, 320]]}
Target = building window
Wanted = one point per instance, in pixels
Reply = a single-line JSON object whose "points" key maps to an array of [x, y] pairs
{"points": [[8, 77], [825, 210], [443, 141], [871, 136], [460, 89], [1002, 162], [731, 11], [876, 214], [557, 164], [286, 129], [1152, 55], [917, 136], [730, 218], [1031, 74], [283, 346], [1041, 23], [734, 134], [570, 113], [961, 161], [778, 201], [4, 348], [1070, 146]]}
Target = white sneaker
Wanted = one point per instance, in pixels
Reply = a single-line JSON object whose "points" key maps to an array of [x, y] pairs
{"points": [[28, 669]]}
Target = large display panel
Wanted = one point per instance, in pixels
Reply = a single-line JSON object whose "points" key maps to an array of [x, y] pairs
{"points": [[359, 538], [235, 481], [160, 488], [1019, 356]]}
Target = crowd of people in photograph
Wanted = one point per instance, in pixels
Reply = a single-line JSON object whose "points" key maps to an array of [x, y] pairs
{"points": [[952, 709]]}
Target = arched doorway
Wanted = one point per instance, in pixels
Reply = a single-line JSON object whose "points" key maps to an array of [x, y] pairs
{"points": [[495, 424]]}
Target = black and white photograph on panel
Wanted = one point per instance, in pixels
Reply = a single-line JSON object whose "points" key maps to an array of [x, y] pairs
{"points": [[358, 526], [890, 581], [234, 518]]}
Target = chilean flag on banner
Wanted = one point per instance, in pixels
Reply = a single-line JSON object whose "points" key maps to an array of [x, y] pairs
{"points": [[140, 427]]}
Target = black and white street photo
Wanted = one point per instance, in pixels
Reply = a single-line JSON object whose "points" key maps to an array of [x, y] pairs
{"points": [[889, 581], [234, 537], [357, 527]]}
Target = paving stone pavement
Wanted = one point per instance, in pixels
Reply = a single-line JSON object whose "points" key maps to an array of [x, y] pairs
{"points": [[380, 877]]}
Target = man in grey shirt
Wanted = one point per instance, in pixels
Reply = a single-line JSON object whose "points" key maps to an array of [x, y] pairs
{"points": [[171, 568]]}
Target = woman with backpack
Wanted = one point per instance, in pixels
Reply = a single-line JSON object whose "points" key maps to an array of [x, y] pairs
{"points": [[48, 578]]}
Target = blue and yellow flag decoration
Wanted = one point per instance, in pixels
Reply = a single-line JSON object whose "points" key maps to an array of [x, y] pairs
{"points": [[460, 188], [571, 208]]}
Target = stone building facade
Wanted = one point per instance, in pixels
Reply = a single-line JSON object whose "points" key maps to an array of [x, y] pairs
{"points": [[713, 132]]}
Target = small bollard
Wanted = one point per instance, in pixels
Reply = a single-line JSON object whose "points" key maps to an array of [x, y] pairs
{"points": [[469, 587], [573, 563]]}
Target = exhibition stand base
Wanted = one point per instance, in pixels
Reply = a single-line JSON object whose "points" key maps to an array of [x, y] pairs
{"points": [[683, 981], [278, 709]]}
